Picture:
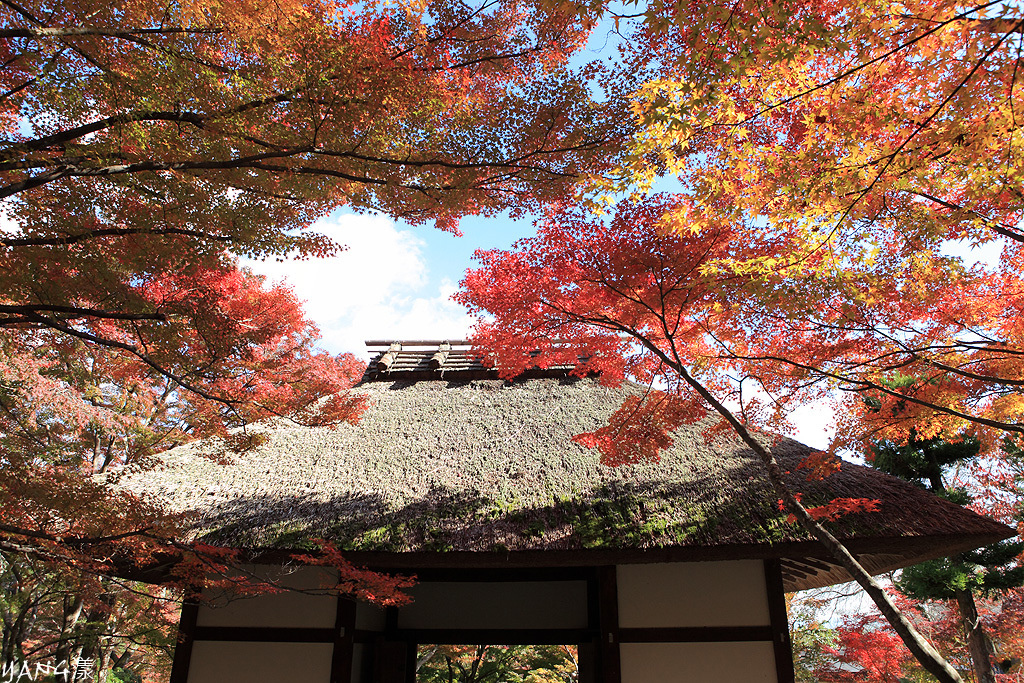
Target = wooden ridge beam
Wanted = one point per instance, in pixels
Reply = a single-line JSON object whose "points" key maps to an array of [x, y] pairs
{"points": [[438, 359], [386, 360]]}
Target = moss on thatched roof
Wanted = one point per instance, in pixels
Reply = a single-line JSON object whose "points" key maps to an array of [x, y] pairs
{"points": [[488, 466]]}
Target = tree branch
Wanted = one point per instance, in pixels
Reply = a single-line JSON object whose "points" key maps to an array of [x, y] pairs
{"points": [[50, 32], [868, 384], [138, 353], [74, 540], [997, 227], [77, 312], [105, 232]]}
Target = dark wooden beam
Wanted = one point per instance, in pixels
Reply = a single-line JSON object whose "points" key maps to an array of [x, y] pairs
{"points": [[183, 648], [609, 669], [784, 672], [799, 572], [417, 342], [483, 636], [344, 638], [816, 564], [915, 548], [498, 575]]}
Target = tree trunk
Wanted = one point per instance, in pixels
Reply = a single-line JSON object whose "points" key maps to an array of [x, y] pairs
{"points": [[15, 646], [928, 656], [102, 661], [977, 641], [72, 614], [426, 656]]}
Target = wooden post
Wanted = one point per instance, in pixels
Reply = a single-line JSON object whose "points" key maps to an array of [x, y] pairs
{"points": [[390, 655], [779, 621], [391, 660], [410, 662], [586, 659]]}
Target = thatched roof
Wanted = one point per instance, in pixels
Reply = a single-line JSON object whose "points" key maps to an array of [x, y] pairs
{"points": [[463, 472]]}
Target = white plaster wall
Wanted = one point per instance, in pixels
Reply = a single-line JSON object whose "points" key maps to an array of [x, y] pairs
{"points": [[692, 594], [697, 662], [516, 604], [283, 609], [231, 661]]}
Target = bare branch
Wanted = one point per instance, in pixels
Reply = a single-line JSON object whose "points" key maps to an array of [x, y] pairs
{"points": [[106, 232], [997, 227], [78, 312], [51, 32]]}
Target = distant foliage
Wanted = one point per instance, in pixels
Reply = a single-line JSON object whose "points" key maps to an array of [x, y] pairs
{"points": [[497, 664]]}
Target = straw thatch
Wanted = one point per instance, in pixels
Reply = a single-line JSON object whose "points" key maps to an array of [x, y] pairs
{"points": [[459, 469]]}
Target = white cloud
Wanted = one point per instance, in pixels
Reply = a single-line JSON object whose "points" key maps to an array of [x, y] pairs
{"points": [[379, 288]]}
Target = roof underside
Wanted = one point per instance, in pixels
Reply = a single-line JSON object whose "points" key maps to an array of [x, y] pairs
{"points": [[484, 472]]}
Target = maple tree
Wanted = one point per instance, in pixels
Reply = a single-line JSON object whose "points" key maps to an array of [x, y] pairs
{"points": [[56, 620], [862, 646], [69, 409], [267, 114], [145, 147], [882, 136], [497, 664], [143, 141], [876, 653], [230, 351], [968, 604], [812, 638], [673, 308]]}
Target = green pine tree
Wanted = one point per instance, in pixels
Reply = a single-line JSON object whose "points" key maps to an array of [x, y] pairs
{"points": [[925, 462]]}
